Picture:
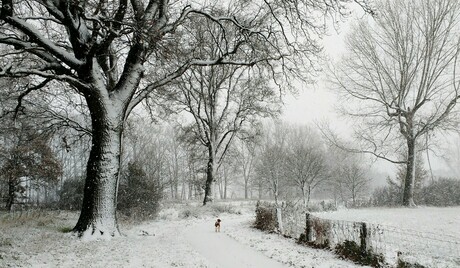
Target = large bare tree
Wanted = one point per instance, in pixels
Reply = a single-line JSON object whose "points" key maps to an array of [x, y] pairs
{"points": [[115, 53], [400, 74]]}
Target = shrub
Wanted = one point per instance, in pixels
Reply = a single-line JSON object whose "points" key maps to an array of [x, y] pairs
{"points": [[352, 251], [266, 217], [168, 214], [71, 194], [322, 230], [292, 213], [443, 192], [389, 195], [138, 196], [322, 206]]}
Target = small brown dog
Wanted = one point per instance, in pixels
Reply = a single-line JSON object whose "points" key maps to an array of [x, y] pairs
{"points": [[217, 225]]}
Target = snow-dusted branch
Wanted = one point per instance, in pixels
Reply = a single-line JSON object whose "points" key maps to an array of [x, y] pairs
{"points": [[26, 92], [48, 45]]}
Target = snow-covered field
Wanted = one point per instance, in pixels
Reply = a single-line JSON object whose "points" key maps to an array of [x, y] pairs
{"points": [[426, 235], [37, 240], [426, 219]]}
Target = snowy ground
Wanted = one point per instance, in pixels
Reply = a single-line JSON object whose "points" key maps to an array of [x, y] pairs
{"points": [[38, 241]]}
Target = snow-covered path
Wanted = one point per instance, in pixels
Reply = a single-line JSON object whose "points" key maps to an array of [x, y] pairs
{"points": [[223, 251]]}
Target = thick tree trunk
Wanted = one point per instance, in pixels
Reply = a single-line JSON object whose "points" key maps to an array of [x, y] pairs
{"points": [[209, 181], [210, 174], [304, 197], [408, 194], [247, 177], [98, 214], [275, 193]]}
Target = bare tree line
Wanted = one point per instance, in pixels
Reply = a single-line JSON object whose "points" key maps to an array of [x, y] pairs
{"points": [[84, 67]]}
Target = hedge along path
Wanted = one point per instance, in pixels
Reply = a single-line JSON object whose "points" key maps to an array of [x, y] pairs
{"points": [[223, 251]]}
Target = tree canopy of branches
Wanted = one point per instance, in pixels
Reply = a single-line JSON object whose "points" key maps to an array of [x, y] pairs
{"points": [[401, 70], [223, 101], [352, 180], [246, 151], [271, 160], [115, 53], [306, 163]]}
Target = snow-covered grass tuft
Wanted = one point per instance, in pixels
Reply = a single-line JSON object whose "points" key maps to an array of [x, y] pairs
{"points": [[168, 214], [65, 229]]}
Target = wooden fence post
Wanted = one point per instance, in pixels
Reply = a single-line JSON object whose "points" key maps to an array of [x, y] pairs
{"points": [[363, 237], [308, 231]]}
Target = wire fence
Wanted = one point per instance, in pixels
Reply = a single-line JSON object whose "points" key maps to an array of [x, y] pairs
{"points": [[430, 249]]}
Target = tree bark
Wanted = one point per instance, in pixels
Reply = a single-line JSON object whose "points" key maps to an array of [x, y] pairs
{"points": [[225, 185], [98, 214], [11, 191], [210, 170], [246, 192], [209, 183], [304, 197], [260, 190], [408, 194]]}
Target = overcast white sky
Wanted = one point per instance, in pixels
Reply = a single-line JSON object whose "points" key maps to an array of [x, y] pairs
{"points": [[316, 102]]}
